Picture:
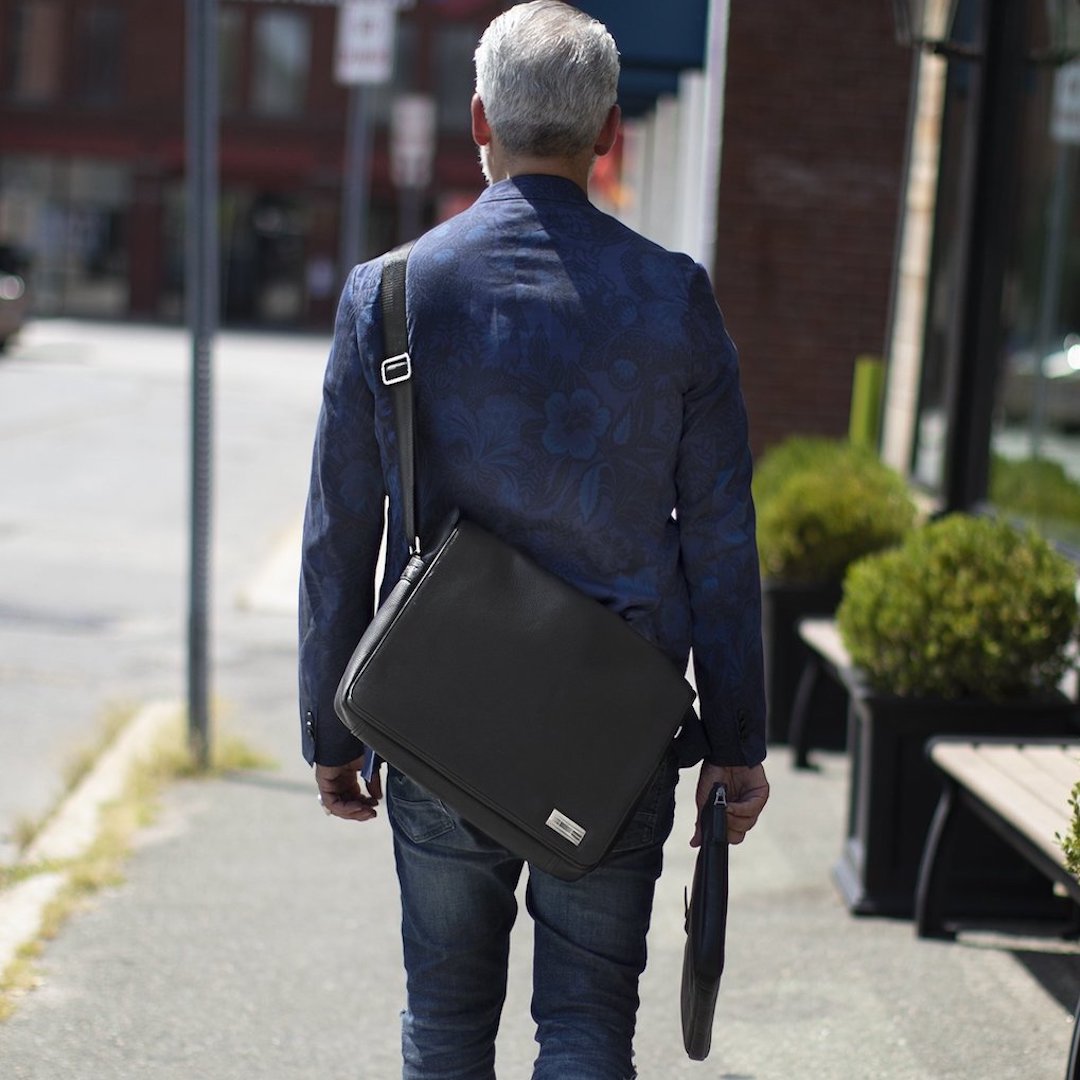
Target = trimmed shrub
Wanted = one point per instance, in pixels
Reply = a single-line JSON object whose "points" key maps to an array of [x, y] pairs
{"points": [[822, 504], [965, 607], [797, 456]]}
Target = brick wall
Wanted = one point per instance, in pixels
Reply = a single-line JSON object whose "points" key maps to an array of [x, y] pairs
{"points": [[815, 123]]}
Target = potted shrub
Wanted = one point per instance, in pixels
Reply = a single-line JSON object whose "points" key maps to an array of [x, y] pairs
{"points": [[963, 629], [1070, 842], [821, 503]]}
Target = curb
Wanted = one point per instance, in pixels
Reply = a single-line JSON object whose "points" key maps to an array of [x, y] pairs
{"points": [[74, 827]]}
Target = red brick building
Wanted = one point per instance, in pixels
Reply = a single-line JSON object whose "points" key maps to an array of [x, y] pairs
{"points": [[814, 131]]}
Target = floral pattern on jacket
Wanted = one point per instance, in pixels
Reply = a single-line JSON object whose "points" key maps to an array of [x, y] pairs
{"points": [[578, 395]]}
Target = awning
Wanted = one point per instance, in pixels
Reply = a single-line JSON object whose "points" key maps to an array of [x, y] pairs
{"points": [[656, 41]]}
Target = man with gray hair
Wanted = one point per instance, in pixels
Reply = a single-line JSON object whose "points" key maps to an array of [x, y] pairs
{"points": [[577, 394]]}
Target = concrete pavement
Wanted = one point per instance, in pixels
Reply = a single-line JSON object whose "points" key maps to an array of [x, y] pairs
{"points": [[256, 938]]}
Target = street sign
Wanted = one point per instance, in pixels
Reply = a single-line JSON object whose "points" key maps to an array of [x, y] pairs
{"points": [[412, 140], [1065, 113], [365, 42]]}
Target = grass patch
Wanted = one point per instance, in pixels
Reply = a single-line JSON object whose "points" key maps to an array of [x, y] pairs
{"points": [[26, 828], [12, 875], [74, 771], [101, 865], [21, 977], [228, 753]]}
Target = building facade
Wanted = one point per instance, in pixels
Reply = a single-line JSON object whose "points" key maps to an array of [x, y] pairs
{"points": [[92, 150], [805, 119]]}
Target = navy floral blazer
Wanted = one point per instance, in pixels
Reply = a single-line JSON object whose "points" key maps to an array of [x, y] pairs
{"points": [[578, 395]]}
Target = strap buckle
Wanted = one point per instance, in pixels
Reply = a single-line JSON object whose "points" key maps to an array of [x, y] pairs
{"points": [[397, 369]]}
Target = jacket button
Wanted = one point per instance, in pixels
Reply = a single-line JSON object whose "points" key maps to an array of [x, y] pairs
{"points": [[309, 724], [742, 723]]}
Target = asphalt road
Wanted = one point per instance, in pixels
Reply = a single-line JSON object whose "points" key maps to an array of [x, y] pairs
{"points": [[94, 444]]}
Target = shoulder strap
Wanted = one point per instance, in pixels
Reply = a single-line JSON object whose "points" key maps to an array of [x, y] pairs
{"points": [[396, 371]]}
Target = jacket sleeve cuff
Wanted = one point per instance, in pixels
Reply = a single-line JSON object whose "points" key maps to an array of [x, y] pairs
{"points": [[328, 742]]}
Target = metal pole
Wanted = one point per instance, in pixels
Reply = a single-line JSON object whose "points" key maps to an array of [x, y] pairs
{"points": [[202, 311], [1053, 261], [355, 190]]}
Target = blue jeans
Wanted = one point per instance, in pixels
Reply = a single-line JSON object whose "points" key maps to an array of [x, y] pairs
{"points": [[458, 907]]}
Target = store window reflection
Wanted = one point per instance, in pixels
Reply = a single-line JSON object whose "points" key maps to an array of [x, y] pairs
{"points": [[282, 60], [1035, 469]]}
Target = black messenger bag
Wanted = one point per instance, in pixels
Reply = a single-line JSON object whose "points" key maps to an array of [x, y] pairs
{"points": [[525, 705]]}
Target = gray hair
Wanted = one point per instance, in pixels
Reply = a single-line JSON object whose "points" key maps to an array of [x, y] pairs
{"points": [[548, 75]]}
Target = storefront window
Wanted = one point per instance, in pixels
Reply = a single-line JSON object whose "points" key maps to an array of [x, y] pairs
{"points": [[100, 56], [34, 51], [230, 47], [282, 60], [69, 217], [1035, 465]]}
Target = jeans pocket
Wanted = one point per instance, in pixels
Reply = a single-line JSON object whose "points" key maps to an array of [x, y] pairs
{"points": [[413, 810], [654, 814]]}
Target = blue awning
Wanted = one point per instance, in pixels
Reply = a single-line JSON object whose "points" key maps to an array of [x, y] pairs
{"points": [[651, 34], [656, 41]]}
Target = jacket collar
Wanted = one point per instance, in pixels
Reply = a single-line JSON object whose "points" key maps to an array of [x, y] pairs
{"points": [[534, 186]]}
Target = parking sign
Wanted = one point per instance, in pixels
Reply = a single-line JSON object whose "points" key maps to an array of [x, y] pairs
{"points": [[365, 42]]}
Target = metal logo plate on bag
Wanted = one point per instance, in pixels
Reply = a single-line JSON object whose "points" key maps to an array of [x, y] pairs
{"points": [[565, 827]]}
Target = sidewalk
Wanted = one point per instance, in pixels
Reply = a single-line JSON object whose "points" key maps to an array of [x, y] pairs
{"points": [[254, 938]]}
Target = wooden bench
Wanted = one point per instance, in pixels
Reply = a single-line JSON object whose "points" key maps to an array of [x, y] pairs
{"points": [[1020, 789], [827, 656]]}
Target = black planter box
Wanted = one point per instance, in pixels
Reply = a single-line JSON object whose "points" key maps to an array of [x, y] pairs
{"points": [[893, 792], [783, 606]]}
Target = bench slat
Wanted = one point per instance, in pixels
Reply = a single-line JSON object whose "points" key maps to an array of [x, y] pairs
{"points": [[1011, 769], [1063, 763], [1046, 771], [823, 637], [1017, 787], [1029, 770]]}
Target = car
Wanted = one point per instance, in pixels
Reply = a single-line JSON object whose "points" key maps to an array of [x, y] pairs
{"points": [[14, 296]]}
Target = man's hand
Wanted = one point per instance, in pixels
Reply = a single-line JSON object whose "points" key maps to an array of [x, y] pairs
{"points": [[341, 794], [747, 792]]}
